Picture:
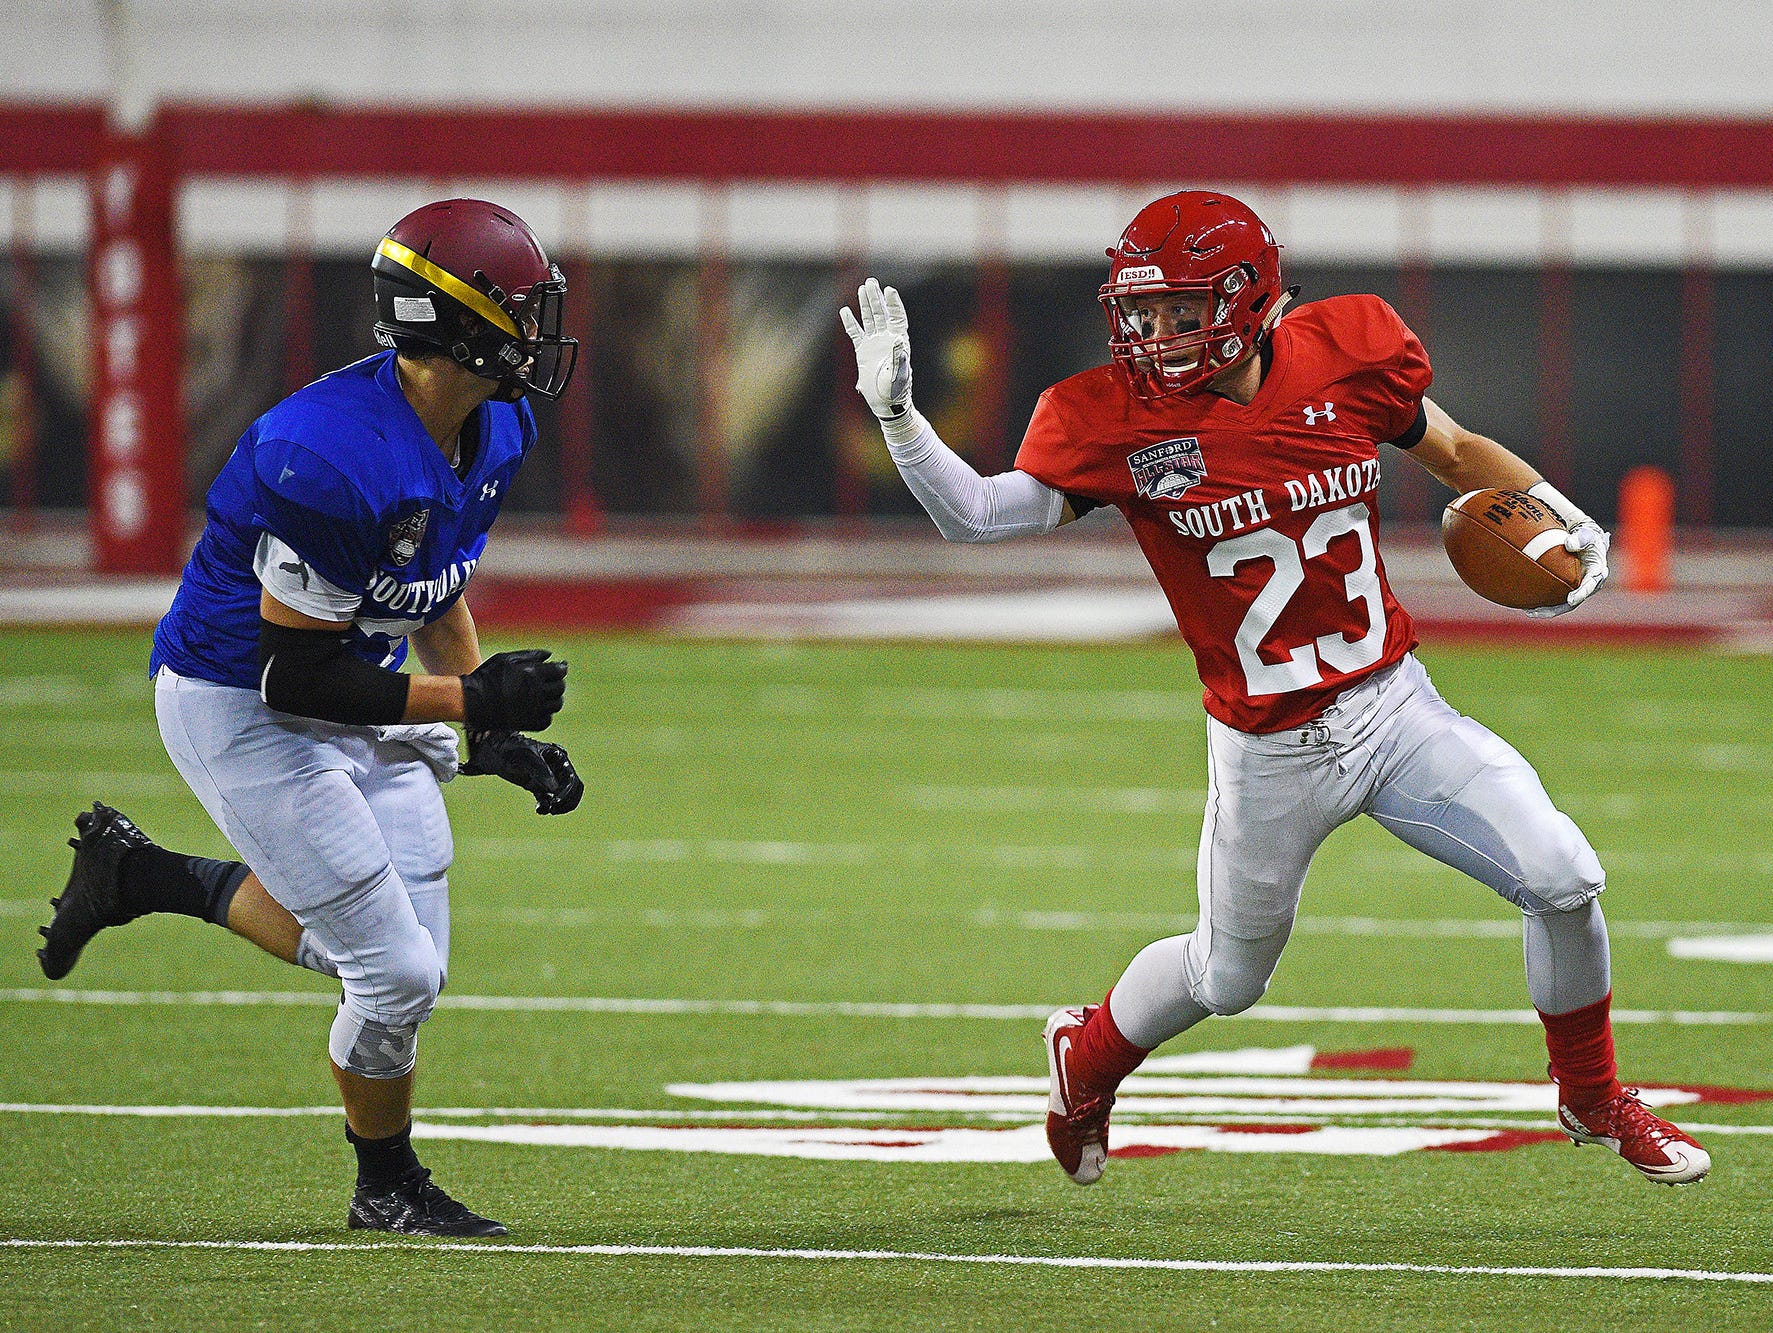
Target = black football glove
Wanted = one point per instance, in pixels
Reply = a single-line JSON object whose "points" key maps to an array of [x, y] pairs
{"points": [[519, 691], [540, 767]]}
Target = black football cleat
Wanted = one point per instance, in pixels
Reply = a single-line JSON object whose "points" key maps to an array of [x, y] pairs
{"points": [[416, 1207], [92, 899]]}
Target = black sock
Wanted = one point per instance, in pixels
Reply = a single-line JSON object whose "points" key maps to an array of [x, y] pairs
{"points": [[153, 879], [382, 1163]]}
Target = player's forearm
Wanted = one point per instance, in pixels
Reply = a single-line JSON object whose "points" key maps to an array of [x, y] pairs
{"points": [[434, 699], [449, 645], [967, 507], [1483, 464]]}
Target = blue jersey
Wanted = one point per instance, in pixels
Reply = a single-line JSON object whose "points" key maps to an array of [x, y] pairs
{"points": [[340, 502]]}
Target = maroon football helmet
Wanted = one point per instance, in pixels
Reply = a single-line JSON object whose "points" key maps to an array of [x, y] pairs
{"points": [[468, 279], [1212, 247]]}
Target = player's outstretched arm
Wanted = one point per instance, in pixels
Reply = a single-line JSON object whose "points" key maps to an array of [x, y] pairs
{"points": [[965, 506], [1467, 461]]}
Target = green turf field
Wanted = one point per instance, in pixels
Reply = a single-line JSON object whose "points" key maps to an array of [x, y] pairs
{"points": [[832, 831]]}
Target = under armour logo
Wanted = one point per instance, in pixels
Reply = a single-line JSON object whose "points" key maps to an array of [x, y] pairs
{"points": [[489, 490], [1327, 412]]}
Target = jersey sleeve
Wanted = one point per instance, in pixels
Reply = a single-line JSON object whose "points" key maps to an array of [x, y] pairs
{"points": [[318, 514], [289, 578], [1049, 454], [1404, 377]]}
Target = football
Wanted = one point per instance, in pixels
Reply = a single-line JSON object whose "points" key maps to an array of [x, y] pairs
{"points": [[1509, 549]]}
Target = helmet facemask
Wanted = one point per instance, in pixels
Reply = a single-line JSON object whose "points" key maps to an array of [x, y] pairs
{"points": [[540, 358], [1162, 364]]}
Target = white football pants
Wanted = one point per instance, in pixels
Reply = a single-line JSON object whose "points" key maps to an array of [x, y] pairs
{"points": [[348, 832], [1392, 748]]}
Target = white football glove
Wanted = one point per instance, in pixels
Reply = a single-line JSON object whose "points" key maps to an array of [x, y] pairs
{"points": [[883, 350], [435, 743], [1588, 542]]}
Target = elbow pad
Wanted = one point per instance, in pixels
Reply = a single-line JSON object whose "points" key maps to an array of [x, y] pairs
{"points": [[314, 673]]}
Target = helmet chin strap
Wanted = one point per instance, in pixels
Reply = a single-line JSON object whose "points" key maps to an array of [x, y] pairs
{"points": [[1281, 302]]}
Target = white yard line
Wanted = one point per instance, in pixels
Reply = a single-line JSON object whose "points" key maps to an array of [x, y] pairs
{"points": [[851, 1008], [910, 1256], [453, 1112], [1747, 948], [1690, 935], [643, 1115]]}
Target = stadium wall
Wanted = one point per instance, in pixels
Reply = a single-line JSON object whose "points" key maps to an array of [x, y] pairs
{"points": [[1580, 225]]}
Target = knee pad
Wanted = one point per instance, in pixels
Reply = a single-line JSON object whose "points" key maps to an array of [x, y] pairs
{"points": [[1232, 974], [1566, 876], [376, 1031], [407, 993], [1226, 991], [371, 1049]]}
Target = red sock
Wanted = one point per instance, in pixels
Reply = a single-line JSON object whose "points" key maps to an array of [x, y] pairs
{"points": [[1581, 1046], [1101, 1057]]}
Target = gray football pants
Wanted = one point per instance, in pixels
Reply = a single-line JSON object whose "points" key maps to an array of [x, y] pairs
{"points": [[348, 832], [1391, 748]]}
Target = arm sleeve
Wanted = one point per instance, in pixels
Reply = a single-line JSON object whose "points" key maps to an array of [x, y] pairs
{"points": [[314, 673], [965, 506]]}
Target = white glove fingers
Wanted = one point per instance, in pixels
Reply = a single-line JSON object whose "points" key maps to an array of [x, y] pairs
{"points": [[895, 311], [850, 326], [877, 308]]}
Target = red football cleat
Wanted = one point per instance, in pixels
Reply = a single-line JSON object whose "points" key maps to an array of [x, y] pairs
{"points": [[1662, 1151], [1077, 1117]]}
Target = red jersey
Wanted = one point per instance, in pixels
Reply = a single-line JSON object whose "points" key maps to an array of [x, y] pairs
{"points": [[1260, 522]]}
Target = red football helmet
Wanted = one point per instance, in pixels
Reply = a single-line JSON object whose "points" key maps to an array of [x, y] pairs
{"points": [[1197, 242], [469, 279]]}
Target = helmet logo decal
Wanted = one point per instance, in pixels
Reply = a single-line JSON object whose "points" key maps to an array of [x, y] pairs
{"points": [[1164, 471], [1234, 282], [415, 310], [1140, 273], [1129, 248]]}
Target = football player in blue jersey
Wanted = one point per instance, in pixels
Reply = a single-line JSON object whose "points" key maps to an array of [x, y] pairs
{"points": [[345, 525]]}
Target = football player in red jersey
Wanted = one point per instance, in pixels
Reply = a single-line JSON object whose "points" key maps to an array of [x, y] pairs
{"points": [[1242, 444]]}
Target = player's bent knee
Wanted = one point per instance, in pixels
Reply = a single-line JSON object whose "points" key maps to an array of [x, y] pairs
{"points": [[408, 993], [400, 991], [373, 1049], [1225, 996], [1567, 875], [1233, 981], [1230, 974]]}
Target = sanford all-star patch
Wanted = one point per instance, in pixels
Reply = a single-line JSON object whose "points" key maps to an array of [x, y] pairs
{"points": [[1162, 471], [404, 538]]}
